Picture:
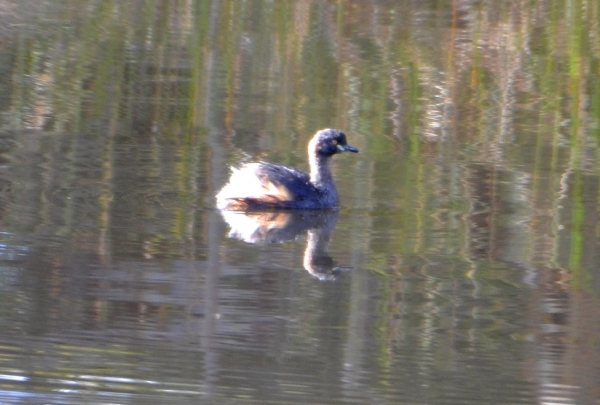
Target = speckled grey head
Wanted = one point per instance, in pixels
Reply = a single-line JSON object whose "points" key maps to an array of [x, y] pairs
{"points": [[328, 142]]}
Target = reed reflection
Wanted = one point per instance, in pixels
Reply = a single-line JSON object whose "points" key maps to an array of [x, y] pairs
{"points": [[282, 226]]}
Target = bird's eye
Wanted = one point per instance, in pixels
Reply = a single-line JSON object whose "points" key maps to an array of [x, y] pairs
{"points": [[335, 142]]}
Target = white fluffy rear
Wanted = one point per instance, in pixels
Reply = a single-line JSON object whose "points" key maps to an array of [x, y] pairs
{"points": [[246, 183]]}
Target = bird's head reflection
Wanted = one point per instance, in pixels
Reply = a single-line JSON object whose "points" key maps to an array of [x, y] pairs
{"points": [[278, 226]]}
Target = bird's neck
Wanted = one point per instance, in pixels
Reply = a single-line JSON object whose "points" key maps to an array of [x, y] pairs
{"points": [[321, 177]]}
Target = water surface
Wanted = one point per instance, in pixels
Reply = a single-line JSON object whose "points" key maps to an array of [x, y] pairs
{"points": [[462, 267]]}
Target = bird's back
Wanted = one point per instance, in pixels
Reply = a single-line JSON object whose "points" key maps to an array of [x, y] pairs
{"points": [[266, 185]]}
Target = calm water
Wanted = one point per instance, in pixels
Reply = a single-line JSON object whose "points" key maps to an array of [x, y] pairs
{"points": [[463, 267]]}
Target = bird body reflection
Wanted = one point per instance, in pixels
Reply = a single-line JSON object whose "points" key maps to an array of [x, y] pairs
{"points": [[281, 226]]}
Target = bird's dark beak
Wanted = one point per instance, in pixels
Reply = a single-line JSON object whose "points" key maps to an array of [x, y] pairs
{"points": [[347, 148]]}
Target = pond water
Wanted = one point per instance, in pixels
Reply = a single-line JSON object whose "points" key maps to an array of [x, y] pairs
{"points": [[462, 268]]}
